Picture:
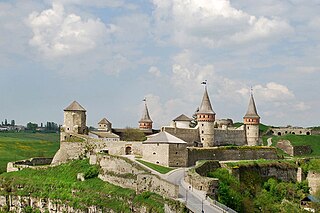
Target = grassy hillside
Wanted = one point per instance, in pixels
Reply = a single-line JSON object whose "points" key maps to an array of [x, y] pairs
{"points": [[297, 140], [60, 183], [262, 127], [22, 145]]}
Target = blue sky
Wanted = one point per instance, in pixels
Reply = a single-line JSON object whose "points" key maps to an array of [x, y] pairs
{"points": [[109, 55]]}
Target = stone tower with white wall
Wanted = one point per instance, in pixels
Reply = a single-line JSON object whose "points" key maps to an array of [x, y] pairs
{"points": [[206, 118], [74, 121], [251, 121], [145, 121]]}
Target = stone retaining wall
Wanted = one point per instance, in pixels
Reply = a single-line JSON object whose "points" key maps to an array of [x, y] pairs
{"points": [[29, 163], [313, 179], [126, 173], [230, 153]]}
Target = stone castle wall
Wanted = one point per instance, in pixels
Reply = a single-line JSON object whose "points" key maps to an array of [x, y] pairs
{"points": [[125, 173], [224, 137], [29, 163], [198, 179], [230, 153], [291, 130], [285, 173], [189, 135], [313, 179], [178, 155], [77, 150]]}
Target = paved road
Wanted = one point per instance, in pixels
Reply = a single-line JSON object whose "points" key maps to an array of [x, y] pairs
{"points": [[195, 200], [269, 140]]}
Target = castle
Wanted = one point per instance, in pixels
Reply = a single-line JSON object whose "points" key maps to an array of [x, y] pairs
{"points": [[175, 145]]}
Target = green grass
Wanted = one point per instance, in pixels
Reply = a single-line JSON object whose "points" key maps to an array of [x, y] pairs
{"points": [[263, 162], [297, 140], [22, 145], [158, 168], [60, 183], [262, 127]]}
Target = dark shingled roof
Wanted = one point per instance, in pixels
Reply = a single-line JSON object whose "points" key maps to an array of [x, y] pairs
{"points": [[252, 110], [74, 106], [163, 137], [205, 107], [145, 115], [182, 117], [104, 121]]}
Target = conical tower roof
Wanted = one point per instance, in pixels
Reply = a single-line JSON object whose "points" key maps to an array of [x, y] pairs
{"points": [[252, 110], [74, 106], [205, 107], [145, 115], [104, 121]]}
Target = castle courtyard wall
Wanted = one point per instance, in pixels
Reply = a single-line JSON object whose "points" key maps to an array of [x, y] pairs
{"points": [[189, 135], [224, 137]]}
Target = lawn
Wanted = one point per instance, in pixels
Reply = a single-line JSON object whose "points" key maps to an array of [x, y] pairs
{"points": [[23, 145], [60, 183], [158, 168]]}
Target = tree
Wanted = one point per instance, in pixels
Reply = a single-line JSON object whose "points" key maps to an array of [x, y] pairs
{"points": [[32, 126], [131, 134], [194, 122], [5, 122]]}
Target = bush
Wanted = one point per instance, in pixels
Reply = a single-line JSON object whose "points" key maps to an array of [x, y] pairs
{"points": [[92, 172]]}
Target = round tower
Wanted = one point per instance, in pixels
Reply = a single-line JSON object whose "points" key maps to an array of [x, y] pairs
{"points": [[206, 117], [251, 121], [145, 121], [75, 119]]}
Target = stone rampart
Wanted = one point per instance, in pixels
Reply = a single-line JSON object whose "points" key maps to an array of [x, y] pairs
{"points": [[199, 182], [78, 150], [227, 136], [313, 179], [29, 163], [301, 150], [281, 171], [230, 153], [290, 130], [126, 173], [204, 168], [153, 183]]}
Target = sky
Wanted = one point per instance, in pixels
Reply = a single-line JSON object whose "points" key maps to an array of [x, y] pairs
{"points": [[111, 54]]}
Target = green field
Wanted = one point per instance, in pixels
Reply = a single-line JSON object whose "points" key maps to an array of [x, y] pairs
{"points": [[60, 183], [23, 145], [298, 140], [158, 168]]}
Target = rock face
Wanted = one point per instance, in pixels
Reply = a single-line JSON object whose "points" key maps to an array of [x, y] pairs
{"points": [[19, 204]]}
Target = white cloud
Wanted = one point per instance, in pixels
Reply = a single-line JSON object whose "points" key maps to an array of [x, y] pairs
{"points": [[273, 92], [56, 33], [212, 23], [154, 71]]}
